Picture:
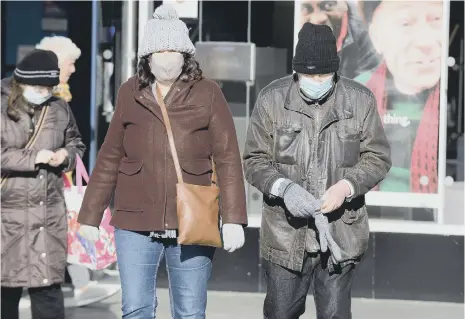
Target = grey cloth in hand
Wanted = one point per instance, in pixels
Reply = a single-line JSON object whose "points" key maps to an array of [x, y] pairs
{"points": [[298, 201], [326, 239], [301, 203]]}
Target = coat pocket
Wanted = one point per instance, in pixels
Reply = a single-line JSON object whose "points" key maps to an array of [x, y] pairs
{"points": [[352, 233], [353, 216], [196, 171], [130, 186], [278, 229], [286, 144], [347, 147]]}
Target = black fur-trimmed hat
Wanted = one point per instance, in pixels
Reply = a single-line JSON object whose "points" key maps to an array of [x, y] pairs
{"points": [[39, 67]]}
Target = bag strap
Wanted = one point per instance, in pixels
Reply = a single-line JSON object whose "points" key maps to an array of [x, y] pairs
{"points": [[33, 138], [40, 123], [81, 173], [169, 131]]}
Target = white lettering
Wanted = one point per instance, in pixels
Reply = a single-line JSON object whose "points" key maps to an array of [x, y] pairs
{"points": [[393, 119]]}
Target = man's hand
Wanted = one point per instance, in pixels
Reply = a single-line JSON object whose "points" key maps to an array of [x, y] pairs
{"points": [[298, 201], [335, 196], [59, 157], [44, 157]]}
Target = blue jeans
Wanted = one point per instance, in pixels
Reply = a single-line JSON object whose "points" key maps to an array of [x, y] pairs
{"points": [[188, 268]]}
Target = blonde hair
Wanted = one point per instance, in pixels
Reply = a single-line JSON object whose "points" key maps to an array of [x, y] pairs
{"points": [[63, 47]]}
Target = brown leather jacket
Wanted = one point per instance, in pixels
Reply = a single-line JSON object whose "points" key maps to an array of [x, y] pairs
{"points": [[135, 160]]}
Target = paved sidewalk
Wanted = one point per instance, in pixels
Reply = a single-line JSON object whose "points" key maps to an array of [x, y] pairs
{"points": [[233, 305]]}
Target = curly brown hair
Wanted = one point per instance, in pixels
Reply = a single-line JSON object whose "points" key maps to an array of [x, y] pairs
{"points": [[17, 103], [190, 70]]}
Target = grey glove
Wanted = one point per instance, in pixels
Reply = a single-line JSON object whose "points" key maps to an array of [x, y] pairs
{"points": [[298, 201], [322, 225]]}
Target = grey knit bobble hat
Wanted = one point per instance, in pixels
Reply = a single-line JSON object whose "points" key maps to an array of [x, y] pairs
{"points": [[165, 32]]}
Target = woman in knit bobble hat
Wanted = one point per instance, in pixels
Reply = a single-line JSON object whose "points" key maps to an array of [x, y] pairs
{"points": [[135, 162]]}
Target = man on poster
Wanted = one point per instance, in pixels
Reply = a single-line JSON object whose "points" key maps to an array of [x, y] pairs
{"points": [[406, 87], [314, 135], [353, 42]]}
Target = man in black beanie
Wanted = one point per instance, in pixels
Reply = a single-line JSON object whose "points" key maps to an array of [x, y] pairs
{"points": [[353, 42], [315, 146]]}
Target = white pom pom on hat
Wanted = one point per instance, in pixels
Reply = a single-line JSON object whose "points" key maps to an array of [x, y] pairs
{"points": [[166, 12]]}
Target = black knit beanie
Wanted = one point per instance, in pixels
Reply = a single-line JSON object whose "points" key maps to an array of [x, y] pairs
{"points": [[39, 67], [316, 51]]}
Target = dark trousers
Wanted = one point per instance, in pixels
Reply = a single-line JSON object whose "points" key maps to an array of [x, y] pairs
{"points": [[46, 302], [287, 290]]}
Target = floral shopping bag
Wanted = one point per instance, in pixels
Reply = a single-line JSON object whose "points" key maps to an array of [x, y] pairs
{"points": [[82, 252]]}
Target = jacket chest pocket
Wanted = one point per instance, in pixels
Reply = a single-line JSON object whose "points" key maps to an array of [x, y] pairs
{"points": [[286, 144], [346, 148], [130, 186]]}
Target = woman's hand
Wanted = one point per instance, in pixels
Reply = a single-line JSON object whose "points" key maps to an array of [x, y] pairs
{"points": [[44, 157], [233, 237], [90, 233], [58, 157]]}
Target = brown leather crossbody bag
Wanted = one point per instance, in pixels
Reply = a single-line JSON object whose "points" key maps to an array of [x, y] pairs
{"points": [[197, 206]]}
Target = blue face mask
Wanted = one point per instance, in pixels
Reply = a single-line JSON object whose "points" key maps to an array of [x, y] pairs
{"points": [[314, 89], [34, 97]]}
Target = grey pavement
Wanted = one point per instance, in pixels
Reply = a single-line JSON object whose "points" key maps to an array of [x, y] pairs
{"points": [[233, 305]]}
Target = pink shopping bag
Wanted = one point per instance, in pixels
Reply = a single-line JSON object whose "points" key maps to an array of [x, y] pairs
{"points": [[82, 252]]}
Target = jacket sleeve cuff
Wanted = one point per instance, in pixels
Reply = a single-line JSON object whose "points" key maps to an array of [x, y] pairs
{"points": [[354, 188], [70, 162], [32, 160], [270, 183], [89, 219], [233, 220], [351, 188], [276, 185]]}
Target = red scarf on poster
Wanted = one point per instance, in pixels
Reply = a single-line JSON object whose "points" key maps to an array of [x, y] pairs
{"points": [[424, 160], [343, 33]]}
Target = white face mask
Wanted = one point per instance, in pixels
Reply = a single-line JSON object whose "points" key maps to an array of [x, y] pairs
{"points": [[34, 97], [167, 66]]}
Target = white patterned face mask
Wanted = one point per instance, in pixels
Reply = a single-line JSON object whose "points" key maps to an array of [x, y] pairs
{"points": [[36, 97], [166, 66]]}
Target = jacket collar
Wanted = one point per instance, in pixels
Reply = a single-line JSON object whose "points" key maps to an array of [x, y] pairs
{"points": [[176, 95], [341, 108]]}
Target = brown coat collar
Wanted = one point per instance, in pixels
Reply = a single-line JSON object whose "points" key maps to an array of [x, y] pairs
{"points": [[176, 95]]}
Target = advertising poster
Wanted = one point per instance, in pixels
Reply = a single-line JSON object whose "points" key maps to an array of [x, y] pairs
{"points": [[187, 9], [395, 49]]}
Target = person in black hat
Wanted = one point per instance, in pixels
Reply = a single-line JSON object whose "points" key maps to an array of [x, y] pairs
{"points": [[353, 42], [39, 141], [315, 146]]}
